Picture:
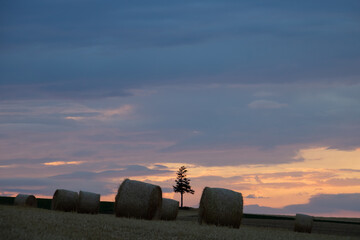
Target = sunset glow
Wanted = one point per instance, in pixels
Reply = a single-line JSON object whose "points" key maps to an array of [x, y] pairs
{"points": [[62, 163]]}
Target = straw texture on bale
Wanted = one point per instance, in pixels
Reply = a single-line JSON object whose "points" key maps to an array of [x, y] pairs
{"points": [[303, 223], [64, 200], [221, 206], [138, 200], [169, 209], [25, 200], [88, 202]]}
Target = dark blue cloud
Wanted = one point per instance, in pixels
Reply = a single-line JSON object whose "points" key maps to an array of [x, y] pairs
{"points": [[86, 51], [84, 153], [47, 186], [206, 118], [78, 49], [85, 180], [161, 22], [325, 203], [24, 182], [42, 191], [322, 203], [76, 175], [29, 161]]}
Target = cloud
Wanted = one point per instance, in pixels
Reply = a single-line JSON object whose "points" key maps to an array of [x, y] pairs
{"points": [[253, 196], [266, 104], [212, 178], [233, 182], [325, 203], [350, 170], [47, 186], [256, 209], [263, 94], [84, 153], [24, 182], [127, 171], [258, 180], [294, 175], [344, 181], [73, 57], [32, 191], [28, 161], [62, 90], [59, 163], [100, 115], [252, 19], [161, 124], [318, 204], [167, 190], [160, 167], [76, 175], [231, 122], [283, 185], [79, 180]]}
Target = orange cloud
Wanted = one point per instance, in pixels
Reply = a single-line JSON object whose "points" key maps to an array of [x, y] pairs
{"points": [[320, 172], [59, 163]]}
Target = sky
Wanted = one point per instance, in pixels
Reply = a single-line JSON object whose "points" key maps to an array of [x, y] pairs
{"points": [[260, 97]]}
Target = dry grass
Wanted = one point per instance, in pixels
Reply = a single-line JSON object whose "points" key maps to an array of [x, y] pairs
{"points": [[30, 223], [329, 227]]}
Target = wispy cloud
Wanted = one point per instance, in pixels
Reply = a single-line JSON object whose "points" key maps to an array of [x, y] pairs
{"points": [[99, 115], [253, 196], [266, 104], [127, 171], [346, 182], [28, 161]]}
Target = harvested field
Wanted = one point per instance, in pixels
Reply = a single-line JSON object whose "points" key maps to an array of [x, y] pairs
{"points": [[30, 223], [331, 226], [339, 229]]}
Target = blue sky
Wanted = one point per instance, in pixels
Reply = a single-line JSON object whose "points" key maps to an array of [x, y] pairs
{"points": [[93, 88]]}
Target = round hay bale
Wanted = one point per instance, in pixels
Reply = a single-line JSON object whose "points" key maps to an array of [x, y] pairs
{"points": [[138, 200], [169, 209], [88, 202], [221, 207], [25, 200], [303, 223], [64, 200]]}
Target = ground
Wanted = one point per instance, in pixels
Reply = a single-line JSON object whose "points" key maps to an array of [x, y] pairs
{"points": [[31, 223]]}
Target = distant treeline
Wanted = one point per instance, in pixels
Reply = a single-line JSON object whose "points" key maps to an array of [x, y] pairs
{"points": [[108, 208], [45, 203]]}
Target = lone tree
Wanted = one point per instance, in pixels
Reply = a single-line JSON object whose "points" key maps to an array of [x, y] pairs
{"points": [[182, 183]]}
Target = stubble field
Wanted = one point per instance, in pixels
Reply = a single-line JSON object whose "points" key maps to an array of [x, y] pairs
{"points": [[33, 223]]}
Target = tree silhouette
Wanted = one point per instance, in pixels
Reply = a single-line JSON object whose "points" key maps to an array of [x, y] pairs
{"points": [[182, 183]]}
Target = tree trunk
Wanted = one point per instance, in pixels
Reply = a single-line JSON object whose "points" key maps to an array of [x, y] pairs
{"points": [[182, 200]]}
